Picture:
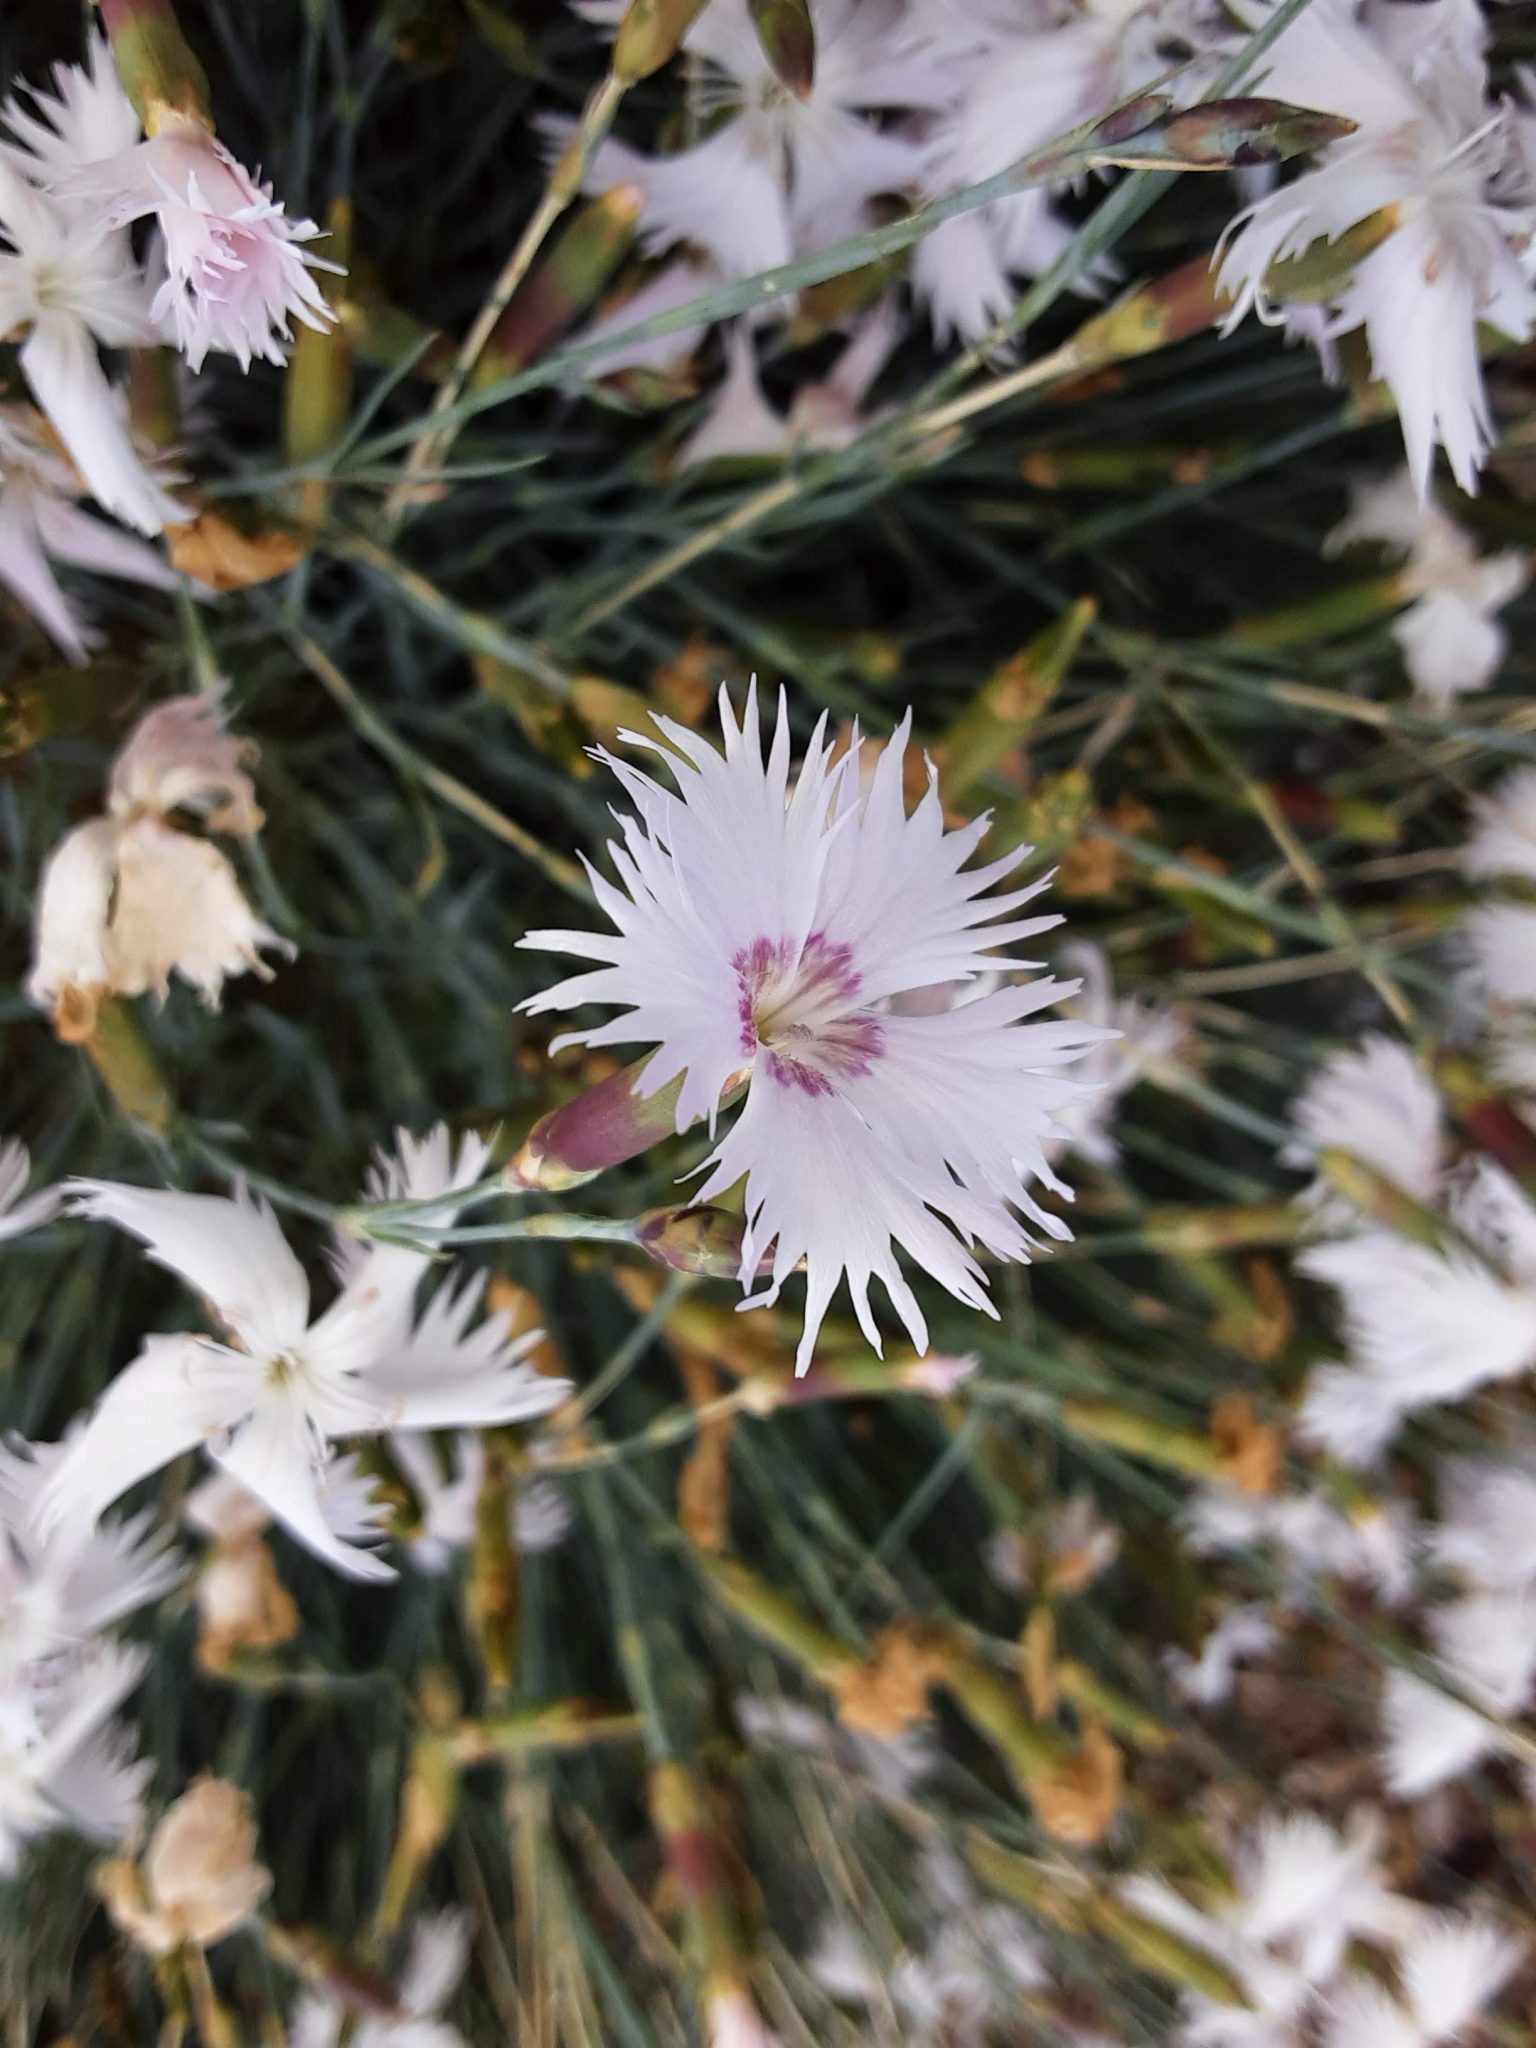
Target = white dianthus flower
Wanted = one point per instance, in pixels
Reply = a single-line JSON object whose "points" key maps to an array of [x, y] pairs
{"points": [[268, 1405], [766, 931]]}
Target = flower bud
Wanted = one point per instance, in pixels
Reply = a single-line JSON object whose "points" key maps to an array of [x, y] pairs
{"points": [[565, 284], [705, 1241], [602, 1127], [649, 35], [1220, 134]]}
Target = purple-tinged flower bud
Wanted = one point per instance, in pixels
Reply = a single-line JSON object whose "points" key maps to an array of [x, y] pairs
{"points": [[604, 1125]]}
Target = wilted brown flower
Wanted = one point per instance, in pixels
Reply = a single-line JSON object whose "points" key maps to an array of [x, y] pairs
{"points": [[199, 1878]]}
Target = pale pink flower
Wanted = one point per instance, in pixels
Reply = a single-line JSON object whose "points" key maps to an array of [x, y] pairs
{"points": [[766, 931], [237, 268], [827, 413]]}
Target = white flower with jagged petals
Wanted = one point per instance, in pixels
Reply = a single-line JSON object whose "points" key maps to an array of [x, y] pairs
{"points": [[41, 523], [19, 1211], [238, 271], [86, 116], [1425, 1326], [1375, 1103], [1429, 1737], [1484, 1640], [1427, 159], [1018, 79], [1498, 942], [1303, 1892], [425, 1169], [1017, 82], [1503, 841], [452, 1372], [447, 1483], [1450, 641], [268, 1405], [435, 1961], [58, 1590], [1487, 1528], [63, 1763], [1456, 1965], [767, 931], [70, 282], [1140, 1038]]}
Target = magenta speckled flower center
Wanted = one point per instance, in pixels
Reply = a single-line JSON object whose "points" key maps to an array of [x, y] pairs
{"points": [[798, 1007]]}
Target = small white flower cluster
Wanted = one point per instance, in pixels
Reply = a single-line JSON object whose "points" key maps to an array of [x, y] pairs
{"points": [[1483, 1639], [1450, 641], [1438, 1292], [65, 1760], [1307, 1899], [1306, 1539], [1498, 936], [1435, 1304], [1425, 211], [978, 1960], [1436, 184], [227, 271], [1309, 1537]]}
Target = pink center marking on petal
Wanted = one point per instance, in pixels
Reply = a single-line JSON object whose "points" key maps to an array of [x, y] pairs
{"points": [[799, 1010]]}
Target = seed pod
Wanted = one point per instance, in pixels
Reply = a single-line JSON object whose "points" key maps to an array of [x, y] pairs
{"points": [[705, 1241]]}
